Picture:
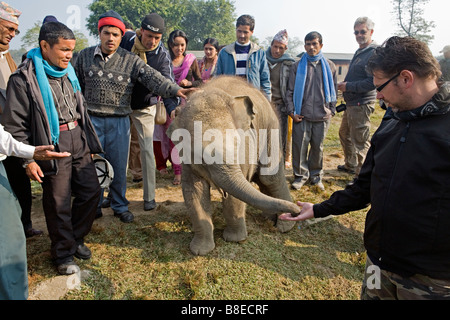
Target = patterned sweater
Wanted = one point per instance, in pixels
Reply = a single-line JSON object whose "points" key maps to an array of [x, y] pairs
{"points": [[108, 85]]}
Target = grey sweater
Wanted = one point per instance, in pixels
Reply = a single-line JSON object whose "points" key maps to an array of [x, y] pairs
{"points": [[108, 86]]}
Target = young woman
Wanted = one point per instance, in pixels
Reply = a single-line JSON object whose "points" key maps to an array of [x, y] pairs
{"points": [[209, 61]]}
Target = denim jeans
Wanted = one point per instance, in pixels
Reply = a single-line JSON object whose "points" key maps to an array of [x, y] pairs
{"points": [[114, 135]]}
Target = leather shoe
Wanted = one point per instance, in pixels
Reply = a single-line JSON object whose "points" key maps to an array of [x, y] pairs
{"points": [[83, 252], [149, 205], [68, 268], [125, 217], [106, 203], [345, 169], [33, 232], [99, 213]]}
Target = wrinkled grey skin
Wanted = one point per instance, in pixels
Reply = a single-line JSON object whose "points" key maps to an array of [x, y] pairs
{"points": [[230, 103]]}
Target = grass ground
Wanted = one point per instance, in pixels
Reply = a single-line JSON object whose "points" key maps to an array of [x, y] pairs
{"points": [[150, 259]]}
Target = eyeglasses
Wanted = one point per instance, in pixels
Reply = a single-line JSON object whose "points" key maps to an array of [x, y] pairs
{"points": [[387, 82], [363, 32], [11, 29]]}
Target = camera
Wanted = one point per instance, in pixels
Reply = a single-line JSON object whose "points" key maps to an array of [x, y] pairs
{"points": [[341, 107]]}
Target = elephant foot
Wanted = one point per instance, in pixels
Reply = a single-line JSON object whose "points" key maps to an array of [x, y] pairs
{"points": [[285, 225], [201, 247], [231, 235]]}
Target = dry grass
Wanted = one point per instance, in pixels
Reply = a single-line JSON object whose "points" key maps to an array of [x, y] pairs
{"points": [[150, 258]]}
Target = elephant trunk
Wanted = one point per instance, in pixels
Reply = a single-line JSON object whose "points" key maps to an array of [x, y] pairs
{"points": [[231, 180]]}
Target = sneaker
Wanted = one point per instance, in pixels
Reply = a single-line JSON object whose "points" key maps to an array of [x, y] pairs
{"points": [[345, 169], [83, 252], [125, 217], [297, 185], [149, 205], [68, 268]]}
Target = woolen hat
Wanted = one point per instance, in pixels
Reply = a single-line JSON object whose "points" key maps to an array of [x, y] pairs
{"points": [[153, 22], [8, 13], [111, 18], [49, 19], [282, 36]]}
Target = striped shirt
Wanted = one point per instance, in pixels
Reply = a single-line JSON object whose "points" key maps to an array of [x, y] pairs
{"points": [[242, 52]]}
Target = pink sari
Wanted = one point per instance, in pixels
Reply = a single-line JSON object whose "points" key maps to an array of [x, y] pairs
{"points": [[182, 71]]}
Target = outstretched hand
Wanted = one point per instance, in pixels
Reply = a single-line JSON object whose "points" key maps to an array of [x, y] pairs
{"points": [[182, 93], [306, 213], [46, 153]]}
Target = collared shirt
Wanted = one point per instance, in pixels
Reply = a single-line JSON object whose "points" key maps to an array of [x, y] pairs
{"points": [[98, 51], [64, 98]]}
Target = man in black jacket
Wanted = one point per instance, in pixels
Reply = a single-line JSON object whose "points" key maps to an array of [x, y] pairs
{"points": [[146, 43], [404, 178]]}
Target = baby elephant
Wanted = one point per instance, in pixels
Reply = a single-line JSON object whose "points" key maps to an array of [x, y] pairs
{"points": [[227, 136]]}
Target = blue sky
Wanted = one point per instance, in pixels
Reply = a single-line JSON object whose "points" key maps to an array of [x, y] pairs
{"points": [[333, 19]]}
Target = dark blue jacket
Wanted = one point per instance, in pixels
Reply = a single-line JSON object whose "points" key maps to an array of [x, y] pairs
{"points": [[158, 59]]}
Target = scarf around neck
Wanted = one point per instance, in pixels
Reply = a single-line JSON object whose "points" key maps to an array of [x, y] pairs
{"points": [[284, 57], [181, 72], [300, 80], [138, 48], [43, 69]]}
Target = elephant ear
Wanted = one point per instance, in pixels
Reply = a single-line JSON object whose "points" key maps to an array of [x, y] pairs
{"points": [[246, 103]]}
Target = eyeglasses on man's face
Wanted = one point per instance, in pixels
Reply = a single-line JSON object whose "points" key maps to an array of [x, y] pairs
{"points": [[387, 82], [363, 32], [11, 29]]}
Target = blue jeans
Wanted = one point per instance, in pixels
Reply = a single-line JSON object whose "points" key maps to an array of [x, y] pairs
{"points": [[13, 256], [114, 135]]}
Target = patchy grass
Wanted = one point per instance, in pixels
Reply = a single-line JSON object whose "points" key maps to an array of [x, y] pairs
{"points": [[150, 259]]}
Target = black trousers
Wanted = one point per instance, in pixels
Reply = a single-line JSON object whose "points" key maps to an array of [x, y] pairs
{"points": [[20, 184], [71, 197]]}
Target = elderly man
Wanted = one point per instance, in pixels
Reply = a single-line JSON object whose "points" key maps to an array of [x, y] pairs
{"points": [[445, 63], [280, 64], [44, 105], [360, 96], [108, 75], [404, 179]]}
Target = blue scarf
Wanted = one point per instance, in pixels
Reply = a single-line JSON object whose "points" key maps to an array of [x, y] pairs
{"points": [[328, 83], [42, 70]]}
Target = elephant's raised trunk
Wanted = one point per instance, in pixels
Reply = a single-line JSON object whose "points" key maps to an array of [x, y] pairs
{"points": [[231, 179]]}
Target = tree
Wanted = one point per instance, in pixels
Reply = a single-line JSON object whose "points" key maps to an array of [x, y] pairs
{"points": [[31, 38], [409, 15], [200, 19]]}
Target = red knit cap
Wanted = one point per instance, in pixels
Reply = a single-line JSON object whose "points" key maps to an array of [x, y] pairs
{"points": [[111, 18]]}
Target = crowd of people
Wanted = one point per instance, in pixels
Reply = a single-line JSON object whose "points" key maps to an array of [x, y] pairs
{"points": [[104, 102]]}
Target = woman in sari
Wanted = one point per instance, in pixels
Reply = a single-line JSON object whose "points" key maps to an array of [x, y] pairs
{"points": [[209, 61]]}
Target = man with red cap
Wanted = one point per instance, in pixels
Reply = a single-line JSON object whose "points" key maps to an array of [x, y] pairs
{"points": [[108, 74]]}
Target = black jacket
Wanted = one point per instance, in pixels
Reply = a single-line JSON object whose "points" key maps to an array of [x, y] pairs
{"points": [[405, 179], [26, 119], [158, 59]]}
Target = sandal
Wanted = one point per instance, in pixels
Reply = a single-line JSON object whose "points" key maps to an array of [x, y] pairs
{"points": [[177, 180]]}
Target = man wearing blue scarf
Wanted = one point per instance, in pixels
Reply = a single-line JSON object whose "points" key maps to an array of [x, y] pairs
{"points": [[311, 97], [45, 107]]}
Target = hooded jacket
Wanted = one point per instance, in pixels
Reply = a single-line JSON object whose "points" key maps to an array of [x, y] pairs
{"points": [[26, 119], [405, 180]]}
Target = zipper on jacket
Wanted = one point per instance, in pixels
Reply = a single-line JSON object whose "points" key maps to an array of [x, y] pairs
{"points": [[402, 141]]}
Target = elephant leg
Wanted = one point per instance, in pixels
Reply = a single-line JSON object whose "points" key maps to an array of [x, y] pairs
{"points": [[197, 197], [234, 214]]}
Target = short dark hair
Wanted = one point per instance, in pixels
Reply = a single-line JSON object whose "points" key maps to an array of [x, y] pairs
{"points": [[404, 53], [212, 41], [313, 35], [174, 34], [246, 20], [51, 32]]}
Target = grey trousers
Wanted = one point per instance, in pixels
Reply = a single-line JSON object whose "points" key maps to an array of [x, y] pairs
{"points": [[144, 122], [354, 134], [13, 256], [307, 150]]}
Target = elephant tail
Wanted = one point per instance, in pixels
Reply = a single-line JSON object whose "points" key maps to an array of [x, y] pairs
{"points": [[231, 180]]}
